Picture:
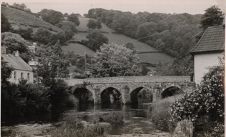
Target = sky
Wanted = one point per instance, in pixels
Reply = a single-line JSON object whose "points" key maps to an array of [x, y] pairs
{"points": [[134, 6]]}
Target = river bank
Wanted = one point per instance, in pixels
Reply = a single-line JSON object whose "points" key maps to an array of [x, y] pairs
{"points": [[44, 130]]}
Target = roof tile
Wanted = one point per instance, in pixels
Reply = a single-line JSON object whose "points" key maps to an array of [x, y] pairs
{"points": [[213, 39], [16, 62]]}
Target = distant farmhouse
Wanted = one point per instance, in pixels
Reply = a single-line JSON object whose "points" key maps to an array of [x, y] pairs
{"points": [[21, 70], [208, 51]]}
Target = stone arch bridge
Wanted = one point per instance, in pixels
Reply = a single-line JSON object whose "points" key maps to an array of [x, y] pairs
{"points": [[157, 86]]}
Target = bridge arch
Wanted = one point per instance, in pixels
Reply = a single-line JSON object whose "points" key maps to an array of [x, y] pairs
{"points": [[110, 96], [85, 97], [171, 91], [140, 95]]}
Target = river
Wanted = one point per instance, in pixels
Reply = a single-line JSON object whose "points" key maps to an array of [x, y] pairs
{"points": [[132, 117]]}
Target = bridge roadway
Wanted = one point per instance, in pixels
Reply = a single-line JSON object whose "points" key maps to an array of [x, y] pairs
{"points": [[132, 85]]}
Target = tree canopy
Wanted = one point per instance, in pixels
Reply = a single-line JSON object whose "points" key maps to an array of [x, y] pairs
{"points": [[74, 18], [212, 16], [51, 16], [94, 24], [68, 27], [52, 64], [5, 26], [115, 60], [95, 40], [14, 42]]}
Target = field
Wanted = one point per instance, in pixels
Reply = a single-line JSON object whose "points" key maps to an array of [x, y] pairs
{"points": [[20, 18], [150, 55], [78, 49]]}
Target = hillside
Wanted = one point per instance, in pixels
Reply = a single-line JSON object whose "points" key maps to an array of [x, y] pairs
{"points": [[83, 26], [18, 18], [147, 54]]}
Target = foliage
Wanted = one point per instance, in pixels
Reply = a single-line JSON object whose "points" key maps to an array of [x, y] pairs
{"points": [[42, 35], [208, 100], [76, 128], [21, 6], [94, 24], [95, 40], [160, 113], [74, 18], [5, 72], [5, 26], [179, 66], [52, 64], [23, 101], [212, 16], [45, 36], [51, 16], [26, 33], [171, 33], [69, 29], [15, 42], [115, 60]]}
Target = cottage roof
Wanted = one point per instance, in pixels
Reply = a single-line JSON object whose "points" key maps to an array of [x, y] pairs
{"points": [[16, 62], [212, 40]]}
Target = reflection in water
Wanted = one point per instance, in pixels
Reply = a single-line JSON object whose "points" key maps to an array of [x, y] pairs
{"points": [[132, 118]]}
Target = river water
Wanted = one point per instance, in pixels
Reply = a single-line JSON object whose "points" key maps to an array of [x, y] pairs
{"points": [[133, 118]]}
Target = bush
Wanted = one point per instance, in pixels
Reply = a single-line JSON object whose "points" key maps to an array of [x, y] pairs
{"points": [[205, 106], [160, 114], [76, 128], [24, 101], [207, 100]]}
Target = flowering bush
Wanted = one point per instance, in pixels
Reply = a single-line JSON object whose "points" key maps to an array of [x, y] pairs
{"points": [[208, 100]]}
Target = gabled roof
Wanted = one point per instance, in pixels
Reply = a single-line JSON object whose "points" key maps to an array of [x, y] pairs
{"points": [[212, 40], [16, 62]]}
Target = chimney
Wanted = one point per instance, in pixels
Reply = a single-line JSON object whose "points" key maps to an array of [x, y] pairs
{"points": [[17, 54]]}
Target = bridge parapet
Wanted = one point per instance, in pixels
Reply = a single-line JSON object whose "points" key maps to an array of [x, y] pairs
{"points": [[129, 79]]}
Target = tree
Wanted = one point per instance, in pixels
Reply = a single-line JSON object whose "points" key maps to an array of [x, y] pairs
{"points": [[212, 16], [95, 40], [51, 16], [21, 6], [4, 24], [69, 29], [52, 64], [42, 35], [5, 72], [115, 60], [74, 18], [145, 29], [94, 24], [14, 42]]}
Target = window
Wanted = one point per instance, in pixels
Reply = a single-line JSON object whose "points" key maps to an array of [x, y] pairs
{"points": [[14, 74], [22, 75], [28, 76]]}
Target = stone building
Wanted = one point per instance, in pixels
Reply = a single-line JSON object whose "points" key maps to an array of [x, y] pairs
{"points": [[208, 51], [21, 70]]}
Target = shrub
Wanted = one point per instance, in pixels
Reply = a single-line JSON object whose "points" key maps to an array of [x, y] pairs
{"points": [[205, 106], [207, 100], [76, 128], [23, 101], [160, 113]]}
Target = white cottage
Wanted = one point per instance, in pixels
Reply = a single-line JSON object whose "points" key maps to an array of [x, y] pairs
{"points": [[21, 70], [208, 51]]}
